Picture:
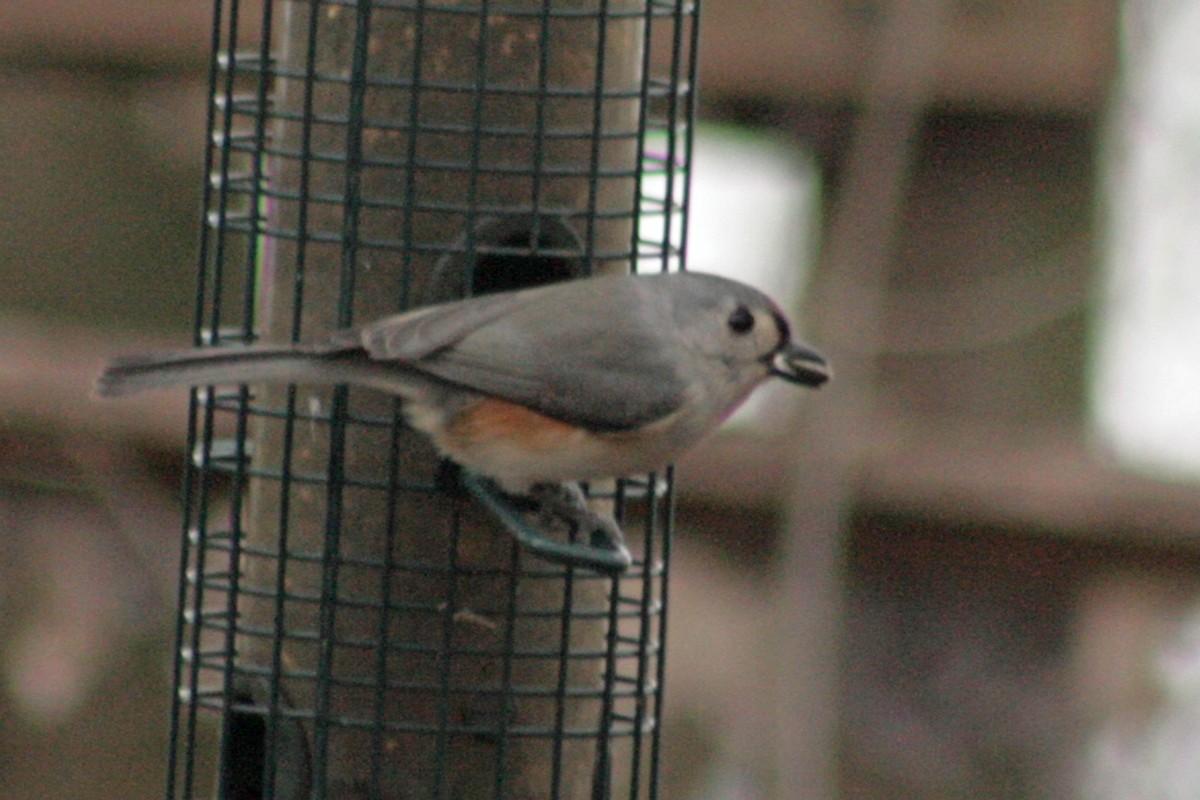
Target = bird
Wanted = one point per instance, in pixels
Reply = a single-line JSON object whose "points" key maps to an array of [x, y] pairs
{"points": [[580, 380]]}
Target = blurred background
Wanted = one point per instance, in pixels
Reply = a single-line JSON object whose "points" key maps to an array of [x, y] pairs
{"points": [[969, 568]]}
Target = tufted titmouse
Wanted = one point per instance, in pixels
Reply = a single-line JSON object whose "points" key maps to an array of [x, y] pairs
{"points": [[585, 379]]}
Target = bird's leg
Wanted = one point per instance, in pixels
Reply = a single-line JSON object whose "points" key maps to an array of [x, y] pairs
{"points": [[603, 546], [566, 502]]}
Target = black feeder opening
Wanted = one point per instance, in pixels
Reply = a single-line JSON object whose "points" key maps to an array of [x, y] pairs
{"points": [[352, 625]]}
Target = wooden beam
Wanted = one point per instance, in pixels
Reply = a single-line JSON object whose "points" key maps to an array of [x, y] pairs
{"points": [[1051, 480], [1055, 55], [46, 379], [145, 30]]}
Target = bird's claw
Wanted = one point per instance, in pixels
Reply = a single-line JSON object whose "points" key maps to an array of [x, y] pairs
{"points": [[554, 504], [567, 503]]}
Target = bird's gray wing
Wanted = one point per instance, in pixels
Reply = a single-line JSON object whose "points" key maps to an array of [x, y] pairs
{"points": [[541, 349], [414, 335]]}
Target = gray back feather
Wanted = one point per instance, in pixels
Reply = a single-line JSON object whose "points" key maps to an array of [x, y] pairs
{"points": [[499, 345]]}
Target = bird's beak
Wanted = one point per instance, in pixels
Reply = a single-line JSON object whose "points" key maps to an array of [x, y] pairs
{"points": [[798, 363]]}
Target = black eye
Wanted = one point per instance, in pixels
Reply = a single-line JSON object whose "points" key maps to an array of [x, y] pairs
{"points": [[741, 320]]}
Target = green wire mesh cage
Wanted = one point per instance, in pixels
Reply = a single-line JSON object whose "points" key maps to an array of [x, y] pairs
{"points": [[352, 623]]}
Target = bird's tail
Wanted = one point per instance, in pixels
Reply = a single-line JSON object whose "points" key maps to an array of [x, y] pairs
{"points": [[217, 366]]}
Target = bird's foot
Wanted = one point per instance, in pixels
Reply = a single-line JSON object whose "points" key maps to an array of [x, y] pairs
{"points": [[566, 502], [594, 541]]}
